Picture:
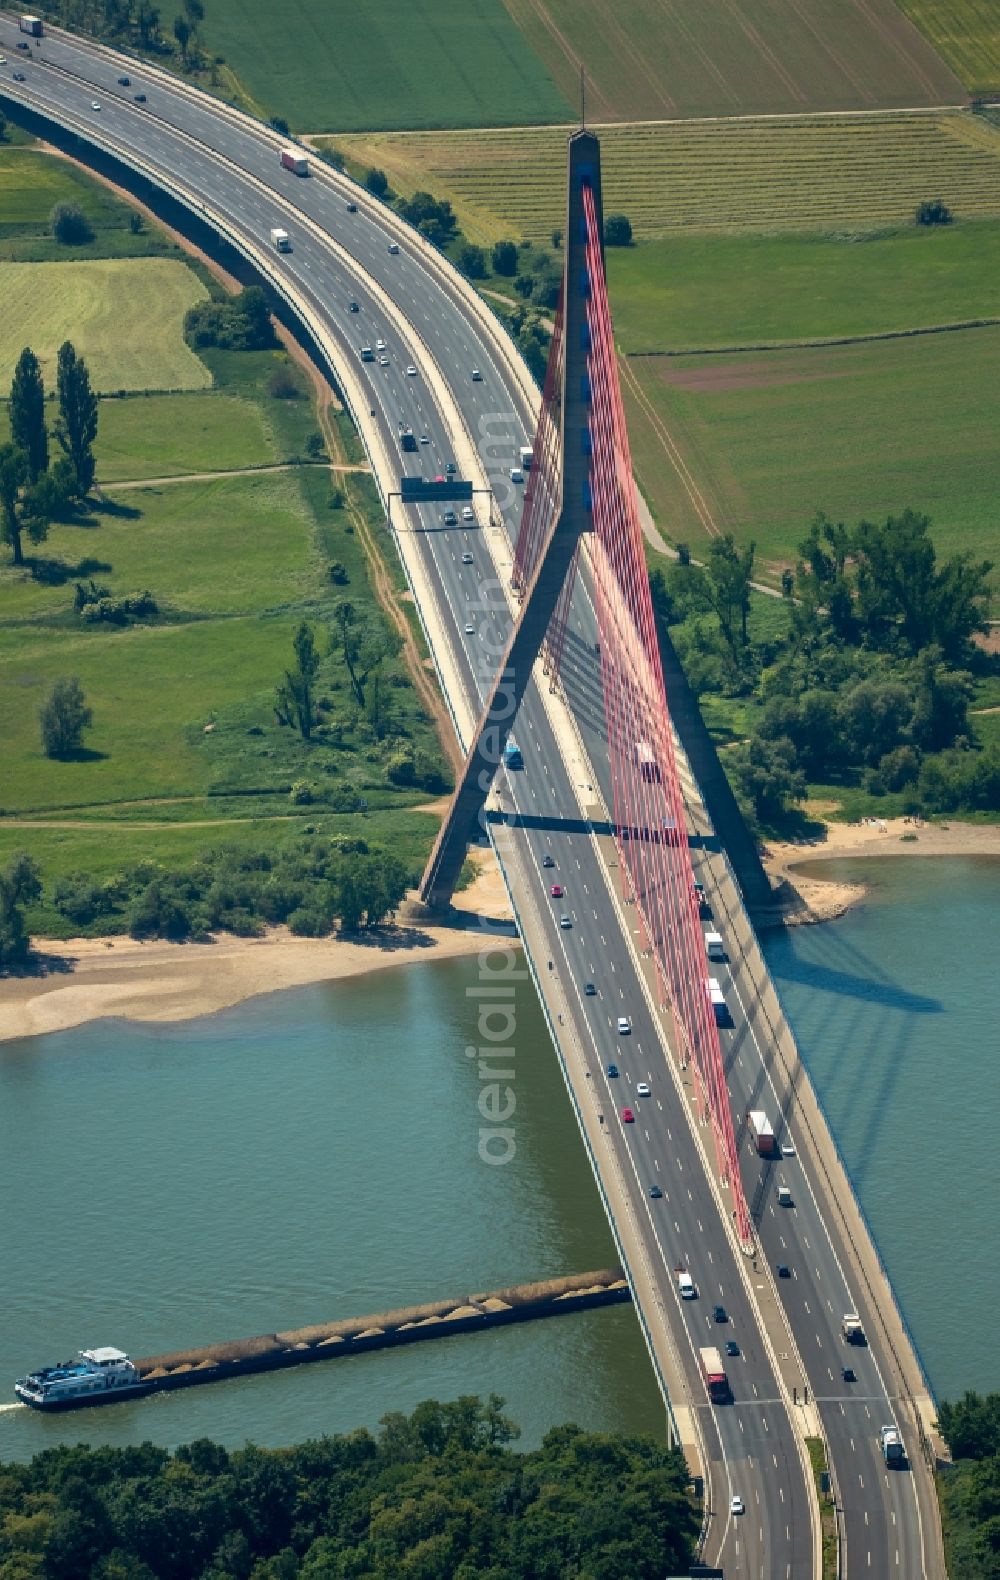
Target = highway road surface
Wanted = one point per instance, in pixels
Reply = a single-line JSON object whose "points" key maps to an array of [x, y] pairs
{"points": [[228, 165]]}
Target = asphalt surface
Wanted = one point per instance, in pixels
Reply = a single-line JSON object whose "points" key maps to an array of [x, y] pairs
{"points": [[751, 1443]]}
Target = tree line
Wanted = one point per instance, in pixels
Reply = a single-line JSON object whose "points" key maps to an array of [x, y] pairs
{"points": [[871, 678], [438, 1494], [970, 1491], [35, 489]]}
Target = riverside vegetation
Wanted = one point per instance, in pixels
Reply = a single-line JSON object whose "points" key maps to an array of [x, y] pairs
{"points": [[225, 802], [436, 1495]]}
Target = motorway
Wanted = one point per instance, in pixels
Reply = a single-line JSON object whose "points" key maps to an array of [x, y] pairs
{"points": [[752, 1447]]}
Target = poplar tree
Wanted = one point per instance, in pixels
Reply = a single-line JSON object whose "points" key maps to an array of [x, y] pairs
{"points": [[76, 429], [27, 414]]}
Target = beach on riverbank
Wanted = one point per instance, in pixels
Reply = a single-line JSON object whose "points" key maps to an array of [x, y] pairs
{"points": [[822, 900], [85, 979]]}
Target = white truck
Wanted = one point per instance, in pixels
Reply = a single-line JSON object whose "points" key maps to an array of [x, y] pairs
{"points": [[291, 159], [714, 946], [525, 454], [851, 1328], [31, 25], [280, 240], [763, 1135], [891, 1444], [649, 768]]}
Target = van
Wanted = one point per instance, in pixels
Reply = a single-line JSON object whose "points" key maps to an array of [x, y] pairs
{"points": [[685, 1283], [784, 1196], [714, 947]]}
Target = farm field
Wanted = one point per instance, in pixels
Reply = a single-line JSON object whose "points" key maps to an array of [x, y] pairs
{"points": [[765, 439], [393, 63], [31, 182], [730, 290], [965, 33], [652, 60], [170, 435], [125, 316], [850, 175]]}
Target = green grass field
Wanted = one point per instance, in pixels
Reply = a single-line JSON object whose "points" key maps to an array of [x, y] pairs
{"points": [[124, 315], [32, 182], [169, 435], [652, 60], [712, 291], [850, 175], [758, 442], [966, 33], [327, 65]]}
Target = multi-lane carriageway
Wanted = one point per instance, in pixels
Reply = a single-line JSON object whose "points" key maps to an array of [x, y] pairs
{"points": [[225, 167]]}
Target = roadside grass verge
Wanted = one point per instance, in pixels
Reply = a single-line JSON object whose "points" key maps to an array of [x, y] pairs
{"points": [[422, 63], [806, 173], [650, 61], [171, 435], [125, 316], [758, 442], [966, 33], [827, 1510]]}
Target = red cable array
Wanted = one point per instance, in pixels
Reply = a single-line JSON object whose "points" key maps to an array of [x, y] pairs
{"points": [[648, 806], [541, 498]]}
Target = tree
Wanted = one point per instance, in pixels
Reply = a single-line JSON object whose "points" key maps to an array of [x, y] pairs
{"points": [[377, 182], [182, 33], [730, 572], [20, 885], [294, 702], [27, 414], [70, 225], [362, 647], [63, 718], [933, 212], [617, 231], [13, 471], [505, 258], [472, 261], [766, 776], [76, 429], [3, 127]]}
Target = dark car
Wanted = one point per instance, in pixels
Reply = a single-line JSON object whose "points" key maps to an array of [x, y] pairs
{"points": [[140, 98], [589, 989], [450, 469], [353, 306], [847, 1372], [23, 44], [19, 76], [732, 1348], [783, 1271], [352, 208], [124, 82], [655, 1192], [613, 1071], [547, 861], [719, 1313]]}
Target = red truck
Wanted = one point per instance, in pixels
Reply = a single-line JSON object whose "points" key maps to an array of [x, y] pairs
{"points": [[292, 160], [714, 1374], [763, 1136]]}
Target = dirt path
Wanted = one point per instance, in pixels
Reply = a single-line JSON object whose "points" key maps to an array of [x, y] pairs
{"points": [[233, 471]]}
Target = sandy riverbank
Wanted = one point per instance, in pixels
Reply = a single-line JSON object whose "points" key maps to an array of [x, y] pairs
{"points": [[820, 900], [90, 978]]}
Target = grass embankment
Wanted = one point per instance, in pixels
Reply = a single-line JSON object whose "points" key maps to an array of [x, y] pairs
{"points": [[651, 61], [966, 33], [422, 63], [801, 174], [827, 1509], [185, 753]]}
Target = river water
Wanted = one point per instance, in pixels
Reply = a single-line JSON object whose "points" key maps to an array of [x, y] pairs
{"points": [[315, 1154]]}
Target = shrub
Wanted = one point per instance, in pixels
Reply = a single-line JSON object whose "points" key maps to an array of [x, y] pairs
{"points": [[377, 183], [505, 258], [70, 225], [933, 212], [617, 231], [283, 384], [338, 574], [64, 718], [472, 261]]}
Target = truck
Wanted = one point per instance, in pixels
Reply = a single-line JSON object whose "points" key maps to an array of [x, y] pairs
{"points": [[30, 24], [714, 1374], [525, 454], [408, 439], [292, 160], [851, 1328], [367, 354], [891, 1444], [714, 946], [717, 999], [649, 768], [512, 756], [763, 1136], [280, 240]]}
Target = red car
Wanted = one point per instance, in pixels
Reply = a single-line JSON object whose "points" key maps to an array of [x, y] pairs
{"points": [[628, 1116], [557, 891]]}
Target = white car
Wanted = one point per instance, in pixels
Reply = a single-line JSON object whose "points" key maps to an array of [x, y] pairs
{"points": [[468, 514], [425, 438], [411, 372], [383, 361], [380, 345], [94, 104], [624, 1025], [393, 247], [466, 558], [642, 1089], [516, 475], [787, 1150], [470, 629], [565, 921], [737, 1506]]}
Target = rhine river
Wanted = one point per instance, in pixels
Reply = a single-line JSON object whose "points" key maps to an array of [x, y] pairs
{"points": [[314, 1154]]}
